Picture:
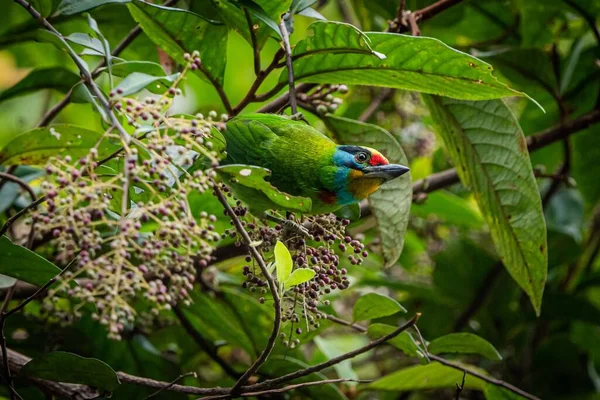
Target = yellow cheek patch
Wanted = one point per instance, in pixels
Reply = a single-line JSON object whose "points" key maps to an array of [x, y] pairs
{"points": [[362, 188]]}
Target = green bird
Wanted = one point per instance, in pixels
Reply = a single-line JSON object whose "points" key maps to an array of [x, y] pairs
{"points": [[304, 162]]}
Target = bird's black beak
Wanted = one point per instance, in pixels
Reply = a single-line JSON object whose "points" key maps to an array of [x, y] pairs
{"points": [[386, 172]]}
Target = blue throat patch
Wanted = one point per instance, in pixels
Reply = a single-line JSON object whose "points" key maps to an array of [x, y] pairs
{"points": [[342, 159]]}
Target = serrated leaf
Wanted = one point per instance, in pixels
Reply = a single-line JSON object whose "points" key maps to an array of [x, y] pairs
{"points": [[57, 78], [34, 147], [137, 81], [21, 263], [467, 343], [413, 63], [178, 31], [299, 276], [60, 366], [374, 305], [489, 150], [283, 263], [404, 341], [248, 177], [430, 376], [391, 203]]}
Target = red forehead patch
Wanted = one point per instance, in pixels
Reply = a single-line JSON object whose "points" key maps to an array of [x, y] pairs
{"points": [[378, 159]]}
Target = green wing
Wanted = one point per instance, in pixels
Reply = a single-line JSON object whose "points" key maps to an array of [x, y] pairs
{"points": [[292, 150]]}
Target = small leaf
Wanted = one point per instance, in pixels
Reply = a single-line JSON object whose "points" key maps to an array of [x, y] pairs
{"points": [[413, 63], [430, 376], [36, 146], [283, 263], [331, 349], [89, 42], [57, 78], [374, 305], [391, 203], [487, 145], [137, 81], [250, 177], [125, 68], [404, 341], [60, 366], [178, 31], [23, 264], [467, 343], [299, 276]]}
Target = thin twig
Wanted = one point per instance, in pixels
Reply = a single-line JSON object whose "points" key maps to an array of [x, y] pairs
{"points": [[384, 94], [290, 67], [459, 388], [173, 382], [288, 388], [272, 286], [255, 48], [414, 27]]}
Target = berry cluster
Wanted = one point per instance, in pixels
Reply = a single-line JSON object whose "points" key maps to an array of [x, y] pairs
{"points": [[323, 99]]}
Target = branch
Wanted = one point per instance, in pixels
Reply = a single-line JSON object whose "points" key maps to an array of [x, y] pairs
{"points": [[383, 95], [282, 101], [255, 48], [290, 67], [336, 360], [272, 286]]}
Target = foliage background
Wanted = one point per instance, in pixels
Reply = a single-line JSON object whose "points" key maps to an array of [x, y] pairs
{"points": [[448, 270]]}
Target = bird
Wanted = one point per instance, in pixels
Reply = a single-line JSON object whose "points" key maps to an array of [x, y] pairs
{"points": [[303, 162]]}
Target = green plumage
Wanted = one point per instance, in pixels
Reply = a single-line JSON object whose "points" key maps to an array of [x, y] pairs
{"points": [[298, 156]]}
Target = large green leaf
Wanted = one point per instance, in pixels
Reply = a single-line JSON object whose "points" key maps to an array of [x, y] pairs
{"points": [[374, 305], [21, 263], [57, 78], [412, 63], [60, 366], [391, 203], [468, 343], [34, 147], [430, 376], [179, 31], [489, 150]]}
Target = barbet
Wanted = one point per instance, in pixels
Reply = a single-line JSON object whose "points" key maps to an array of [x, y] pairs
{"points": [[304, 162]]}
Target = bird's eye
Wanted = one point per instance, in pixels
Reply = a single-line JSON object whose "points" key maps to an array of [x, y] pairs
{"points": [[361, 157]]}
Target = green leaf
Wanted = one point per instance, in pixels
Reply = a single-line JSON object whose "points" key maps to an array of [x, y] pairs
{"points": [[125, 68], [60, 366], [493, 392], [391, 203], [37, 145], [92, 45], [565, 213], [137, 81], [430, 376], [537, 17], [331, 349], [467, 343], [489, 150], [334, 37], [299, 276], [404, 341], [253, 178], [70, 7], [217, 321], [374, 305], [57, 78], [449, 208], [179, 31], [413, 63], [23, 264], [283, 263], [586, 168]]}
